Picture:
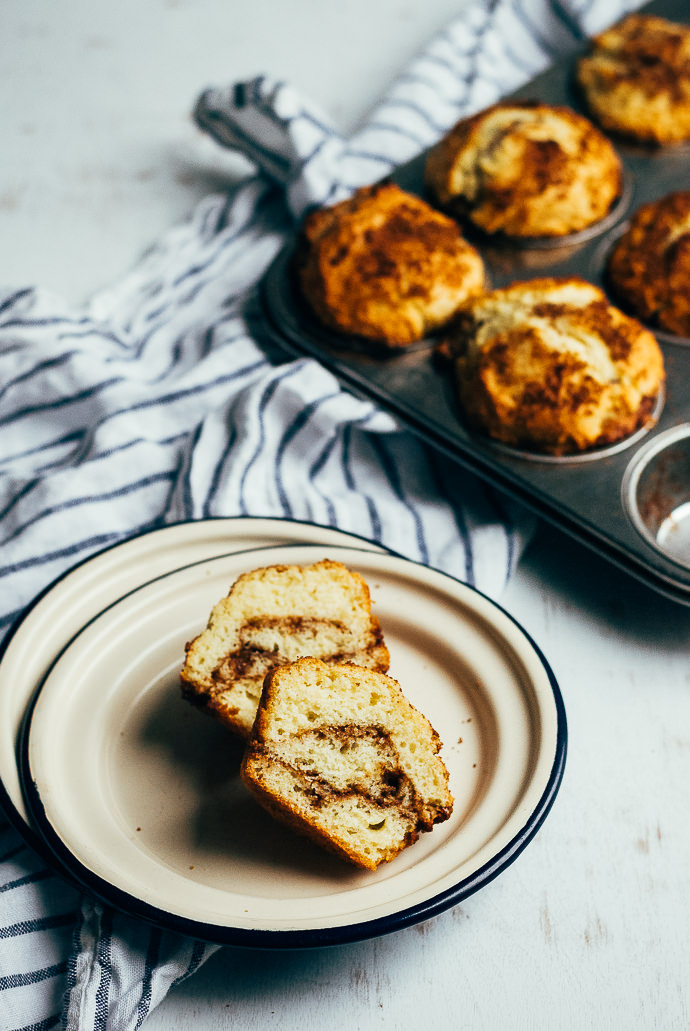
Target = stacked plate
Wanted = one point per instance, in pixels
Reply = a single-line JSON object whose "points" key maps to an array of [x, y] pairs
{"points": [[136, 796]]}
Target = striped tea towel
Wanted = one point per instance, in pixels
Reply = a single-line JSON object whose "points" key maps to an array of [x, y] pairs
{"points": [[157, 402]]}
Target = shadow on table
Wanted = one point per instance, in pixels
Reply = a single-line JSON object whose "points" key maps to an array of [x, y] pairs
{"points": [[603, 592]]}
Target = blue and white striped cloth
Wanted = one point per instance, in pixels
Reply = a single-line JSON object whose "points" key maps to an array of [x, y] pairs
{"points": [[157, 403]]}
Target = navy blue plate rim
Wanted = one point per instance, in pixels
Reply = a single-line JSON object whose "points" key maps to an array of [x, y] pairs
{"points": [[53, 848]]}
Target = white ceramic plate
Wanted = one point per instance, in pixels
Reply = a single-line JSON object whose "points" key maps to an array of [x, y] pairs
{"points": [[139, 797], [60, 612]]}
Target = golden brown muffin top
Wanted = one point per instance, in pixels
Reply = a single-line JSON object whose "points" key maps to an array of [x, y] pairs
{"points": [[385, 265], [651, 53], [636, 78], [649, 268], [526, 168], [549, 365]]}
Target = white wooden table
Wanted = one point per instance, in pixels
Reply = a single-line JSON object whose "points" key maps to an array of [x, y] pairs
{"points": [[590, 928]]}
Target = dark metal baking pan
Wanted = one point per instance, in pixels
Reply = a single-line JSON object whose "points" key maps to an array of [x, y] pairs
{"points": [[590, 497]]}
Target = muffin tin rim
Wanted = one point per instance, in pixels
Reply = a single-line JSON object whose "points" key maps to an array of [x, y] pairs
{"points": [[630, 483]]}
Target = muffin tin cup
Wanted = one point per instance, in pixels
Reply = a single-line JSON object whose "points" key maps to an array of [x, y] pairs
{"points": [[656, 493], [600, 497]]}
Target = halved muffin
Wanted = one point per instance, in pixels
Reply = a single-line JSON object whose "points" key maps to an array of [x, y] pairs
{"points": [[338, 753], [272, 616]]}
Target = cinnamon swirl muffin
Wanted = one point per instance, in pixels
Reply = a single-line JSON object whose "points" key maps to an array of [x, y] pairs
{"points": [[273, 616], [525, 169], [339, 754], [636, 79], [550, 366], [385, 266], [649, 268]]}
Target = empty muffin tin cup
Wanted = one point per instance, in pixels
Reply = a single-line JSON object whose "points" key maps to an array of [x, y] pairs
{"points": [[656, 493]]}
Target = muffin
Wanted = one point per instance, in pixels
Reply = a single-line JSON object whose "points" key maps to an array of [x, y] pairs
{"points": [[525, 169], [272, 616], [636, 79], [385, 266], [550, 366], [340, 755], [649, 268]]}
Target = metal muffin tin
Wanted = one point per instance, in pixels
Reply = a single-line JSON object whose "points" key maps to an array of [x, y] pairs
{"points": [[630, 502]]}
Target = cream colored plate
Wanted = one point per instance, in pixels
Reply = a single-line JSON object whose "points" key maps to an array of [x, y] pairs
{"points": [[138, 794], [84, 591]]}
